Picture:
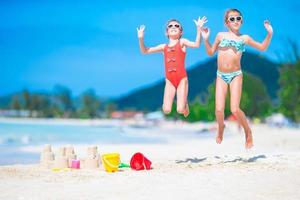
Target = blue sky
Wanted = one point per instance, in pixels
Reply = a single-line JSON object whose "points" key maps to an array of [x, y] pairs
{"points": [[93, 44]]}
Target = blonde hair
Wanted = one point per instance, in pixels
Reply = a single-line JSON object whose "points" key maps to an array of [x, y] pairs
{"points": [[231, 10]]}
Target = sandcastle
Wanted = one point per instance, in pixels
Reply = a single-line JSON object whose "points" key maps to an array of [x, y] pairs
{"points": [[70, 155], [65, 157], [60, 160], [47, 156], [93, 158]]}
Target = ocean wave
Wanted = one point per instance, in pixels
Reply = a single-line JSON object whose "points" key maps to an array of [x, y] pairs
{"points": [[15, 140]]}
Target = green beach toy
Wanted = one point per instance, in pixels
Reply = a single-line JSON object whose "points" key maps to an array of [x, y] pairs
{"points": [[123, 165]]}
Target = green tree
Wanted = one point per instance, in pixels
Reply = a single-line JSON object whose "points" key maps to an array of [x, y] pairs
{"points": [[255, 100], [109, 108], [15, 103], [26, 99], [198, 111], [289, 92], [90, 104], [63, 96], [40, 103]]}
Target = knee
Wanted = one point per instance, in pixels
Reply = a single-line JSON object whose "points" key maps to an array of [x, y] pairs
{"points": [[235, 110], [219, 111], [166, 110], [180, 110]]}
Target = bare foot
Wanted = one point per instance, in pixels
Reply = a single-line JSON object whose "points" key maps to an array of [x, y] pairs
{"points": [[219, 137], [249, 140], [186, 111]]}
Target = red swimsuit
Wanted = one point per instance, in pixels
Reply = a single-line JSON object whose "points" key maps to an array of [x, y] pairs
{"points": [[174, 64]]}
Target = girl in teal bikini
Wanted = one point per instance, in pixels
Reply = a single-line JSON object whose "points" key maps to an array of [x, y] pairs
{"points": [[230, 46]]}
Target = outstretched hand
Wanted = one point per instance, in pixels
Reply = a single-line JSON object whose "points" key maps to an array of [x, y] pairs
{"points": [[200, 22], [205, 33], [268, 26], [140, 31]]}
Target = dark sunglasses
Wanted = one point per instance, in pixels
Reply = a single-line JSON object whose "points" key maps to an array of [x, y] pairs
{"points": [[235, 18], [173, 25]]}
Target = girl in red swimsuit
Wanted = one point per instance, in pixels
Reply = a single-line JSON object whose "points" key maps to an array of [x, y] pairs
{"points": [[174, 57]]}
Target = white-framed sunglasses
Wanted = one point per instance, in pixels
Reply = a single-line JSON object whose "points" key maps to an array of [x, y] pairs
{"points": [[174, 25], [235, 18]]}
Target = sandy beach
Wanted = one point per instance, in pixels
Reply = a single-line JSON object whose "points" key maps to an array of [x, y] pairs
{"points": [[182, 169]]}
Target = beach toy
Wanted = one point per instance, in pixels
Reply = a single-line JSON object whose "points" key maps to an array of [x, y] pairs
{"points": [[123, 165], [140, 162], [60, 169], [75, 164], [56, 169], [111, 162], [67, 169]]}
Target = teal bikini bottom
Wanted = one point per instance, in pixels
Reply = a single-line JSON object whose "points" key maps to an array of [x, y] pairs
{"points": [[228, 77]]}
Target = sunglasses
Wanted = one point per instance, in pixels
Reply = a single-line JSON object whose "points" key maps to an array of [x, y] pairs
{"points": [[235, 18], [173, 25]]}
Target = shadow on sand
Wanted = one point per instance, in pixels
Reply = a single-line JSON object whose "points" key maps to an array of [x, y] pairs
{"points": [[192, 160], [246, 160], [239, 159]]}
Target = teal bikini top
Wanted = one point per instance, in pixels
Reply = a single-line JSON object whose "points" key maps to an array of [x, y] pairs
{"points": [[238, 45]]}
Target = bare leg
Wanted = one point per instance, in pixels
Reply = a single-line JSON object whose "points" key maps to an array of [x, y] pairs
{"points": [[221, 91], [235, 97], [182, 92], [169, 94]]}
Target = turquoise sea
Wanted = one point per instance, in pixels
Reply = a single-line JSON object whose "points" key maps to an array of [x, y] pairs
{"points": [[15, 135]]}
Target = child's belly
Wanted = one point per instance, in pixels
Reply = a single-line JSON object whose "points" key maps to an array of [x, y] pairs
{"points": [[229, 61]]}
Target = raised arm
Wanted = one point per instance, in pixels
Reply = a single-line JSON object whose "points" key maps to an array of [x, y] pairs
{"points": [[143, 48], [210, 49], [265, 44], [199, 23]]}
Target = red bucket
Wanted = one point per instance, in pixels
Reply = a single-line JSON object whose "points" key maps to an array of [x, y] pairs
{"points": [[140, 162]]}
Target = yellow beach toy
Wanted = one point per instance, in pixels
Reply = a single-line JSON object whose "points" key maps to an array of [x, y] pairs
{"points": [[111, 161], [56, 169]]}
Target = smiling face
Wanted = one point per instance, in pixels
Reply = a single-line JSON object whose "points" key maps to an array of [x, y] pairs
{"points": [[174, 29], [233, 20]]}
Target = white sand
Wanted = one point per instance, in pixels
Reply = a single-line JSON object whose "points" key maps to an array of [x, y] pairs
{"points": [[187, 169]]}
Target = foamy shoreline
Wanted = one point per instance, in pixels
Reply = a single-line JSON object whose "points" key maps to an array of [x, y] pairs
{"points": [[61, 121], [163, 124]]}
